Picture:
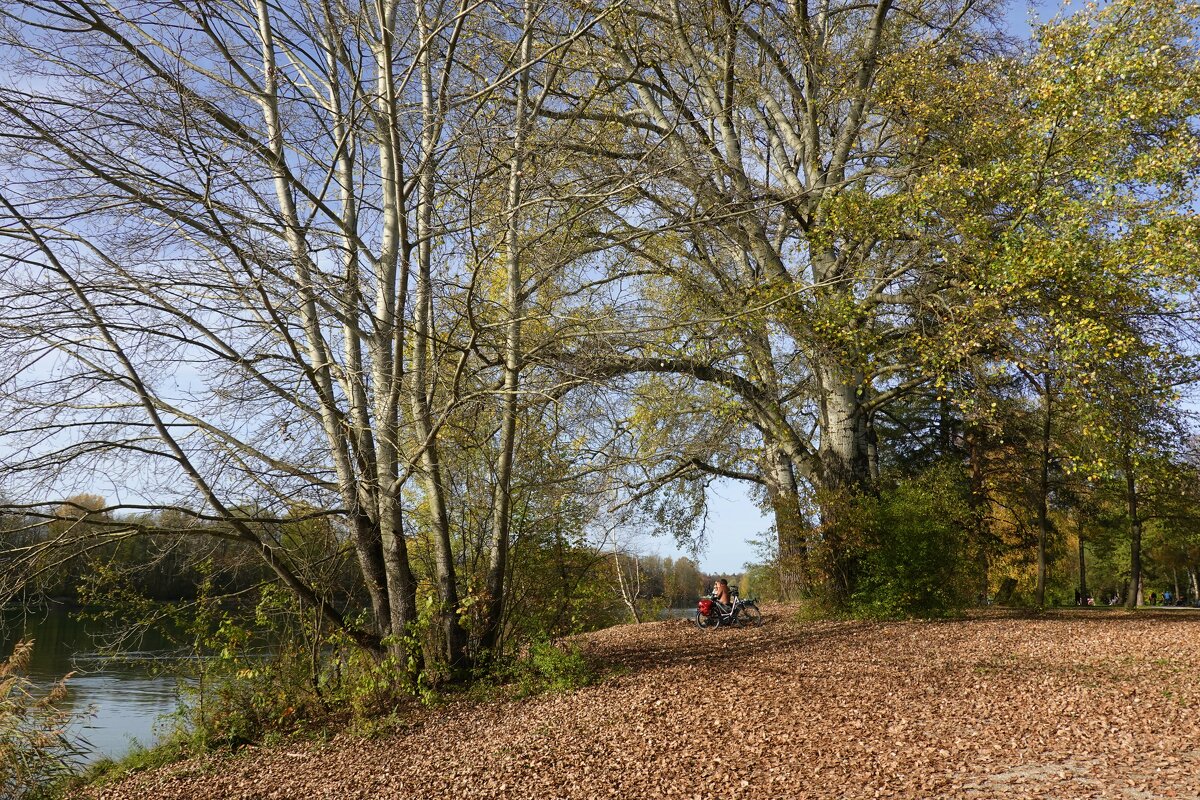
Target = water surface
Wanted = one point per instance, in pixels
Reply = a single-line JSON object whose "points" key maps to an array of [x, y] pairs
{"points": [[121, 700]]}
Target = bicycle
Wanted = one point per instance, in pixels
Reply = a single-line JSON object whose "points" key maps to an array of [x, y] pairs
{"points": [[711, 613]]}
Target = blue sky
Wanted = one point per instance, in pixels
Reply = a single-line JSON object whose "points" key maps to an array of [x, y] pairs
{"points": [[733, 520]]}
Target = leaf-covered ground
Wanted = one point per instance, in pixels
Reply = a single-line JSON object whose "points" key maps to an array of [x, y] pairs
{"points": [[1081, 704]]}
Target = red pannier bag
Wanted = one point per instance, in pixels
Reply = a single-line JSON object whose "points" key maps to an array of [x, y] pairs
{"points": [[705, 606]]}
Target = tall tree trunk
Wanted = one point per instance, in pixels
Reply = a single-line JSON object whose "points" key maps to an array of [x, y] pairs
{"points": [[1043, 493], [502, 506], [945, 425], [843, 447], [844, 471], [790, 529], [432, 117], [631, 588], [317, 349], [977, 501], [373, 564], [386, 343], [435, 490], [1134, 596], [1083, 588], [402, 585], [361, 500]]}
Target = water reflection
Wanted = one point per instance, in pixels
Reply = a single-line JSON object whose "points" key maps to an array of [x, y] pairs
{"points": [[126, 698]]}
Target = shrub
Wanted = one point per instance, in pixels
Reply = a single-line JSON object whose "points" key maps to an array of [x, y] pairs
{"points": [[913, 559], [281, 674], [553, 666]]}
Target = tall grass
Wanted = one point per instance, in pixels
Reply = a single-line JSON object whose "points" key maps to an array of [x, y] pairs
{"points": [[38, 747]]}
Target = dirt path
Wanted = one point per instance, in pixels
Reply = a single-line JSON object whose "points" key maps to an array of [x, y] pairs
{"points": [[1101, 704]]}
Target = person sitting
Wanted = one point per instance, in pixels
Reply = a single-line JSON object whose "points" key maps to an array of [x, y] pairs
{"points": [[721, 595], [721, 592]]}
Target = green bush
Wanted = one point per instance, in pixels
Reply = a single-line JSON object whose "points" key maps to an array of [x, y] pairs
{"points": [[553, 666], [281, 674], [913, 561]]}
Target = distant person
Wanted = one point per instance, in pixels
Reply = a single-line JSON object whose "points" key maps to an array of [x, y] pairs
{"points": [[1091, 601], [1167, 597], [1078, 598], [1154, 598]]}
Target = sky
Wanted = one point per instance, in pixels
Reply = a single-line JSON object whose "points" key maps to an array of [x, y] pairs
{"points": [[734, 519], [1020, 15]]}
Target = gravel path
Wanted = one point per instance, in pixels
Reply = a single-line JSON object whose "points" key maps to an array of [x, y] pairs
{"points": [[1088, 704]]}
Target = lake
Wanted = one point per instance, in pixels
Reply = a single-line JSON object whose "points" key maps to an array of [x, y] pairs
{"points": [[127, 698]]}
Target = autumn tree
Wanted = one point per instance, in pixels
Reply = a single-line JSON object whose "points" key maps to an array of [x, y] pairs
{"points": [[843, 203], [771, 133]]}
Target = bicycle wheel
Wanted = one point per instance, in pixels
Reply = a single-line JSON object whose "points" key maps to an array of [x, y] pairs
{"points": [[750, 615], [707, 622]]}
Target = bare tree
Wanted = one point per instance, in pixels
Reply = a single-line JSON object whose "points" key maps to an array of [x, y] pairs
{"points": [[237, 265]]}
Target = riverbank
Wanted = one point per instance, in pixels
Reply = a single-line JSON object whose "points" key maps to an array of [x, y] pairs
{"points": [[1071, 704]]}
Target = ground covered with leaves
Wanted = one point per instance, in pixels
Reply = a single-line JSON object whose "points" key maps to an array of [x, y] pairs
{"points": [[1093, 703]]}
